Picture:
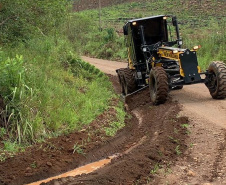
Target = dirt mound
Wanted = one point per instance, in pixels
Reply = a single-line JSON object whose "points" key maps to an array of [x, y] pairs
{"points": [[152, 139]]}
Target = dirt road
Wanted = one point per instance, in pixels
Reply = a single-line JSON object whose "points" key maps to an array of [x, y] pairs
{"points": [[195, 99], [106, 66], [204, 161]]}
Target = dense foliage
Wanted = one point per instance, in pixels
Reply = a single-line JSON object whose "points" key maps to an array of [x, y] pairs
{"points": [[45, 89], [23, 19]]}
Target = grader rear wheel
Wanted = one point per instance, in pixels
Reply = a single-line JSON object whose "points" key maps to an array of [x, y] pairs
{"points": [[127, 80], [216, 80], [158, 85]]}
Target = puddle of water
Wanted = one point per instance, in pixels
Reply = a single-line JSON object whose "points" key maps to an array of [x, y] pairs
{"points": [[89, 167], [78, 171]]}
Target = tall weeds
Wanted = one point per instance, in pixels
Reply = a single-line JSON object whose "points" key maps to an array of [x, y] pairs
{"points": [[46, 90], [49, 91]]}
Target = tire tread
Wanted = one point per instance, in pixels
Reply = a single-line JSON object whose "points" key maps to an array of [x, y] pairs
{"points": [[162, 87], [219, 68]]}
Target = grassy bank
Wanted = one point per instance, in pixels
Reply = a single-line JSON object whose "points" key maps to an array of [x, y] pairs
{"points": [[201, 23], [50, 93], [46, 89]]}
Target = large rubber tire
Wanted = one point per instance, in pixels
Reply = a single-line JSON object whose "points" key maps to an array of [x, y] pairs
{"points": [[158, 85], [128, 81], [216, 80]]}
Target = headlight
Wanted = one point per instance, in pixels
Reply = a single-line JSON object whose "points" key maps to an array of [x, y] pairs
{"points": [[196, 47], [175, 51]]}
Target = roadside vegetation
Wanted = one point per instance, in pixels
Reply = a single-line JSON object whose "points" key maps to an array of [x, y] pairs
{"points": [[201, 23], [46, 89]]}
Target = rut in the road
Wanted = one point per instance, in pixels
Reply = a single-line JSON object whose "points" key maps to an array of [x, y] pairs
{"points": [[147, 146], [144, 147]]}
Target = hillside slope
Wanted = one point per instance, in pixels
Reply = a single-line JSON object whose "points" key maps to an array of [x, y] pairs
{"points": [[80, 5], [201, 6], [201, 22]]}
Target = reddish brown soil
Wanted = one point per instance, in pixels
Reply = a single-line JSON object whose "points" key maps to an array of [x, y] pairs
{"points": [[204, 162], [149, 139], [155, 130], [56, 155]]}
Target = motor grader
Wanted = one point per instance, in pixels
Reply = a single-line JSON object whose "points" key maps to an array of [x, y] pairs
{"points": [[156, 59]]}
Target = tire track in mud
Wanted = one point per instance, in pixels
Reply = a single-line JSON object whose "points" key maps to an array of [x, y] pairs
{"points": [[219, 165], [203, 161], [138, 115], [141, 147], [145, 143]]}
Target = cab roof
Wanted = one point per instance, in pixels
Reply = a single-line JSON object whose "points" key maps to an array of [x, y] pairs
{"points": [[145, 18]]}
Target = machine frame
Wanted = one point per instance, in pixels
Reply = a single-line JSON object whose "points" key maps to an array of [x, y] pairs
{"points": [[158, 61]]}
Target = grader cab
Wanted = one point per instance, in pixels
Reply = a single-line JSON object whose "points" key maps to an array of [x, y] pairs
{"points": [[156, 59]]}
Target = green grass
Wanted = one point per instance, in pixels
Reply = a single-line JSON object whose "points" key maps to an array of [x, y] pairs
{"points": [[200, 24], [34, 164], [78, 149], [46, 88], [155, 169], [177, 150], [49, 91], [114, 126]]}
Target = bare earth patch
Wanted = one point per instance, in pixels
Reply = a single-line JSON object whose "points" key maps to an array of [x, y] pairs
{"points": [[140, 148], [145, 145]]}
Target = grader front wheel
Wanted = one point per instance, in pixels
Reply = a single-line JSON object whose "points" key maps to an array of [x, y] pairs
{"points": [[216, 80], [158, 85]]}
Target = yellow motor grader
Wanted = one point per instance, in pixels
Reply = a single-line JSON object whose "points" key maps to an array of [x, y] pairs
{"points": [[156, 59]]}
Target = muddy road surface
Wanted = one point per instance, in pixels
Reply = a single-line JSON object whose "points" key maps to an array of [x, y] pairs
{"points": [[204, 161], [180, 142], [153, 138], [195, 99]]}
